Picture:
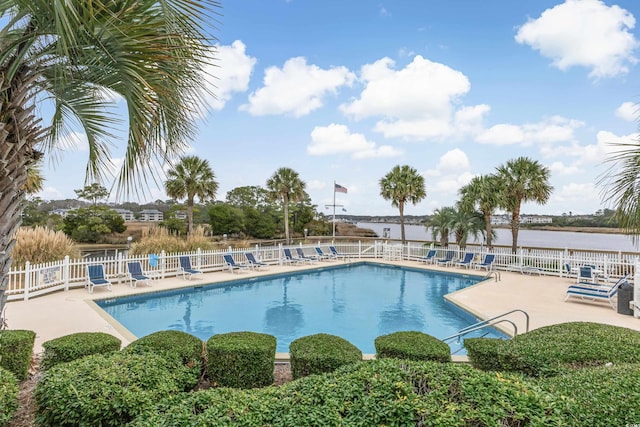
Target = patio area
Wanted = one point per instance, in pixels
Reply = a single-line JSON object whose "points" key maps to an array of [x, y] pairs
{"points": [[542, 297]]}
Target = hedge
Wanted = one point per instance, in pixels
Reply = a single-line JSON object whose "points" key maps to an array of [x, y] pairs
{"points": [[483, 352], [16, 348], [412, 345], [555, 349], [320, 353], [388, 392], [241, 359], [602, 396], [178, 346], [106, 390], [8, 396], [75, 346]]}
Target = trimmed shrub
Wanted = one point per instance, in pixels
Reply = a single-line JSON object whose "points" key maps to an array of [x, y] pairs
{"points": [[555, 349], [16, 348], [78, 345], [178, 346], [388, 392], [241, 359], [320, 353], [106, 390], [412, 345], [483, 352], [8, 396], [602, 396]]}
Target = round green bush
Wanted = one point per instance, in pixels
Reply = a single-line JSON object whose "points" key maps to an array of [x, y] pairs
{"points": [[106, 390], [241, 359], [178, 346], [412, 345], [16, 348], [602, 396], [483, 352], [389, 392], [8, 396], [320, 353], [78, 345]]}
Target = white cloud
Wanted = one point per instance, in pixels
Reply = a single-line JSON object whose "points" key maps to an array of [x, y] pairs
{"points": [[451, 173], [315, 184], [50, 193], [336, 139], [553, 130], [576, 192], [229, 74], [585, 33], [74, 141], [296, 89], [628, 111], [559, 168]]}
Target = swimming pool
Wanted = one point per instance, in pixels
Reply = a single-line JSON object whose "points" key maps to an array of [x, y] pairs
{"points": [[357, 301]]}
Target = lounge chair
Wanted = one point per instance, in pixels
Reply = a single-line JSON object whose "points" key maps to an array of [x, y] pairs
{"points": [[487, 262], [429, 257], [448, 259], [467, 260], [289, 258], [185, 268], [596, 292], [302, 255], [253, 262], [585, 274], [134, 270], [232, 264], [337, 254], [96, 277], [323, 256]]}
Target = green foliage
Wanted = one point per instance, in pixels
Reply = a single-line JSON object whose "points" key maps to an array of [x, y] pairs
{"points": [[78, 345], [260, 223], [177, 346], [225, 219], [8, 396], [555, 349], [241, 359], [89, 225], [602, 396], [412, 345], [16, 347], [92, 193], [320, 353], [387, 392], [32, 214], [483, 352], [106, 390]]}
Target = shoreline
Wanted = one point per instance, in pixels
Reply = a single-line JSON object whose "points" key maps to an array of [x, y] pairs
{"points": [[600, 230]]}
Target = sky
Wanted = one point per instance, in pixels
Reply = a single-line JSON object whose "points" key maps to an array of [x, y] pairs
{"points": [[343, 91]]}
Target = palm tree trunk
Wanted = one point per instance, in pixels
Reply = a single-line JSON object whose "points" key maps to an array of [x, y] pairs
{"points": [[189, 216], [515, 227], [487, 227], [401, 207], [286, 222]]}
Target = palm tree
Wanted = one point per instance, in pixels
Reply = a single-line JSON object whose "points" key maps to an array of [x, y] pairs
{"points": [[35, 179], [191, 177], [403, 184], [466, 223], [68, 55], [440, 224], [286, 186], [522, 179], [482, 193]]}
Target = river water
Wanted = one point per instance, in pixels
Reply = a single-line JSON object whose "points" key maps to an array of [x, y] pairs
{"points": [[528, 238]]}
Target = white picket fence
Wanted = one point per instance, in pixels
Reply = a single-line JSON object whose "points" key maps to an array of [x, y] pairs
{"points": [[40, 279]]}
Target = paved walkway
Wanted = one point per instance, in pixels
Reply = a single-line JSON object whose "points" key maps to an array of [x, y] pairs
{"points": [[66, 312]]}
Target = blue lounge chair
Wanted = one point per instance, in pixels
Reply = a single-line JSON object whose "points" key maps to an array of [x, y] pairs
{"points": [[467, 260], [595, 292], [304, 257], [429, 257], [337, 254], [323, 256], [96, 277], [185, 268], [232, 264], [253, 262], [487, 262], [585, 274], [290, 258], [136, 274], [448, 259]]}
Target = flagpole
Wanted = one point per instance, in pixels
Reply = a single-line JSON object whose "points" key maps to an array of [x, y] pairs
{"points": [[334, 209]]}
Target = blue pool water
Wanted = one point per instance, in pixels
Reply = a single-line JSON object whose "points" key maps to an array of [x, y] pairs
{"points": [[357, 302]]}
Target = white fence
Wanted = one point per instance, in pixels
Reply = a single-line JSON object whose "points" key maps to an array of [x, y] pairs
{"points": [[40, 279]]}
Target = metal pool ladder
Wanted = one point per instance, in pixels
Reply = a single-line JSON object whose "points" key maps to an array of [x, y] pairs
{"points": [[483, 324]]}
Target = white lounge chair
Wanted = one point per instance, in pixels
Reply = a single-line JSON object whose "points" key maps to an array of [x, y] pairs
{"points": [[595, 292]]}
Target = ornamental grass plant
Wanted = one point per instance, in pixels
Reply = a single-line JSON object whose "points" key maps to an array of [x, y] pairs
{"points": [[40, 244]]}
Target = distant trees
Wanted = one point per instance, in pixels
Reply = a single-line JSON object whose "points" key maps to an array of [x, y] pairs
{"points": [[285, 186], [90, 225], [191, 177], [93, 193], [402, 185]]}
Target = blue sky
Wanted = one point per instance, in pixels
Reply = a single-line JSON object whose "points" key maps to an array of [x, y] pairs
{"points": [[343, 91]]}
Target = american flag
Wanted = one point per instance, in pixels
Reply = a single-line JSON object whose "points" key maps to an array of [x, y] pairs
{"points": [[340, 189]]}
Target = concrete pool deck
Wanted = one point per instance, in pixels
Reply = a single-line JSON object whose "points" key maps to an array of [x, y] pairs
{"points": [[542, 297]]}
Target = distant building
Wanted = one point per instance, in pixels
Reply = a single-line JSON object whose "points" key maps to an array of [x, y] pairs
{"points": [[180, 215], [151, 215], [500, 220], [62, 212], [536, 219], [126, 214]]}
